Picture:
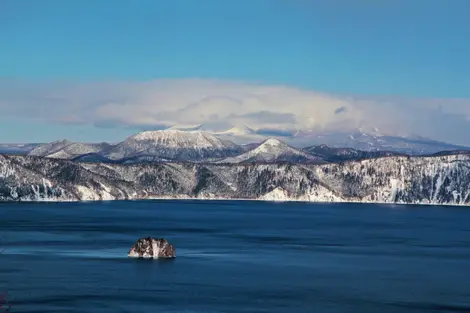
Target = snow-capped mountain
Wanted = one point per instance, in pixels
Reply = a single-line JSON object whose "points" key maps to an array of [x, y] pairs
{"points": [[162, 144], [330, 154], [240, 135], [372, 141], [271, 151], [174, 144], [360, 139], [202, 146], [237, 131], [50, 148], [65, 149], [396, 179]]}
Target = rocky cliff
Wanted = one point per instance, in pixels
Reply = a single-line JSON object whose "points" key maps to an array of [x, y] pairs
{"points": [[395, 179]]}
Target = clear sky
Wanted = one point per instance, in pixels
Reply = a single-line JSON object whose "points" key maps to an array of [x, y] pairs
{"points": [[98, 57]]}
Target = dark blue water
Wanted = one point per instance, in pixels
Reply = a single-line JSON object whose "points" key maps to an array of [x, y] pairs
{"points": [[236, 257]]}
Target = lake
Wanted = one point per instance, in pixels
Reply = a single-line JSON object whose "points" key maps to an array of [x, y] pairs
{"points": [[235, 256]]}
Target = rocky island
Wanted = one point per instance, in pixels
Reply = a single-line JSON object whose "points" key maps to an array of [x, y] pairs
{"points": [[152, 248]]}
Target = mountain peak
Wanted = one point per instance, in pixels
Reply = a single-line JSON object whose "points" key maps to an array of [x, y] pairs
{"points": [[176, 139], [62, 142], [152, 134], [273, 142], [186, 127], [272, 150], [237, 131]]}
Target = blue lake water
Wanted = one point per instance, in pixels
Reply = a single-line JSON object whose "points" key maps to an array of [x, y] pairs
{"points": [[236, 257]]}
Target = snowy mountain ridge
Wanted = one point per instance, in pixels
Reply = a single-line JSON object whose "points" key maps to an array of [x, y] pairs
{"points": [[173, 144], [395, 179], [273, 150], [371, 141], [163, 144], [180, 139], [203, 146], [65, 149]]}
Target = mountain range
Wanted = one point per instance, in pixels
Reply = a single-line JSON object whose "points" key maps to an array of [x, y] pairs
{"points": [[162, 145], [204, 147], [359, 139], [201, 165]]}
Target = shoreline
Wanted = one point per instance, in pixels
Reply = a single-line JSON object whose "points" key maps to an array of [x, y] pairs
{"points": [[222, 199]]}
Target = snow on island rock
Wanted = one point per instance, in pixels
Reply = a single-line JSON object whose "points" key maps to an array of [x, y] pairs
{"points": [[149, 247]]}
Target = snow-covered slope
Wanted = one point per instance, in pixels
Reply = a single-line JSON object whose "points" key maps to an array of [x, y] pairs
{"points": [[163, 144], [50, 148], [65, 149], [174, 144], [240, 135], [177, 139], [273, 150], [237, 131], [427, 180], [202, 146], [371, 141], [360, 139]]}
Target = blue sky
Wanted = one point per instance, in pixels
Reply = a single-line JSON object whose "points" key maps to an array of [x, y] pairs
{"points": [[372, 49]]}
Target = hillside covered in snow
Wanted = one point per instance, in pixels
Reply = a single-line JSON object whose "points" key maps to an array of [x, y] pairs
{"points": [[162, 145], [395, 179], [272, 151]]}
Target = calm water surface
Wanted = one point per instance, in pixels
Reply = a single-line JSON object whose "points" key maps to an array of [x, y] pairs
{"points": [[236, 257]]}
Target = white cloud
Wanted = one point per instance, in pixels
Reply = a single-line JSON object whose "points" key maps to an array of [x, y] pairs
{"points": [[222, 104]]}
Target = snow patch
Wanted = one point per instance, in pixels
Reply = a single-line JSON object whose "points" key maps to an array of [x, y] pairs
{"points": [[87, 194], [156, 248], [277, 194]]}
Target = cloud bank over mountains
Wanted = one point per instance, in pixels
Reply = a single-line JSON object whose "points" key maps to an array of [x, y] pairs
{"points": [[220, 105]]}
